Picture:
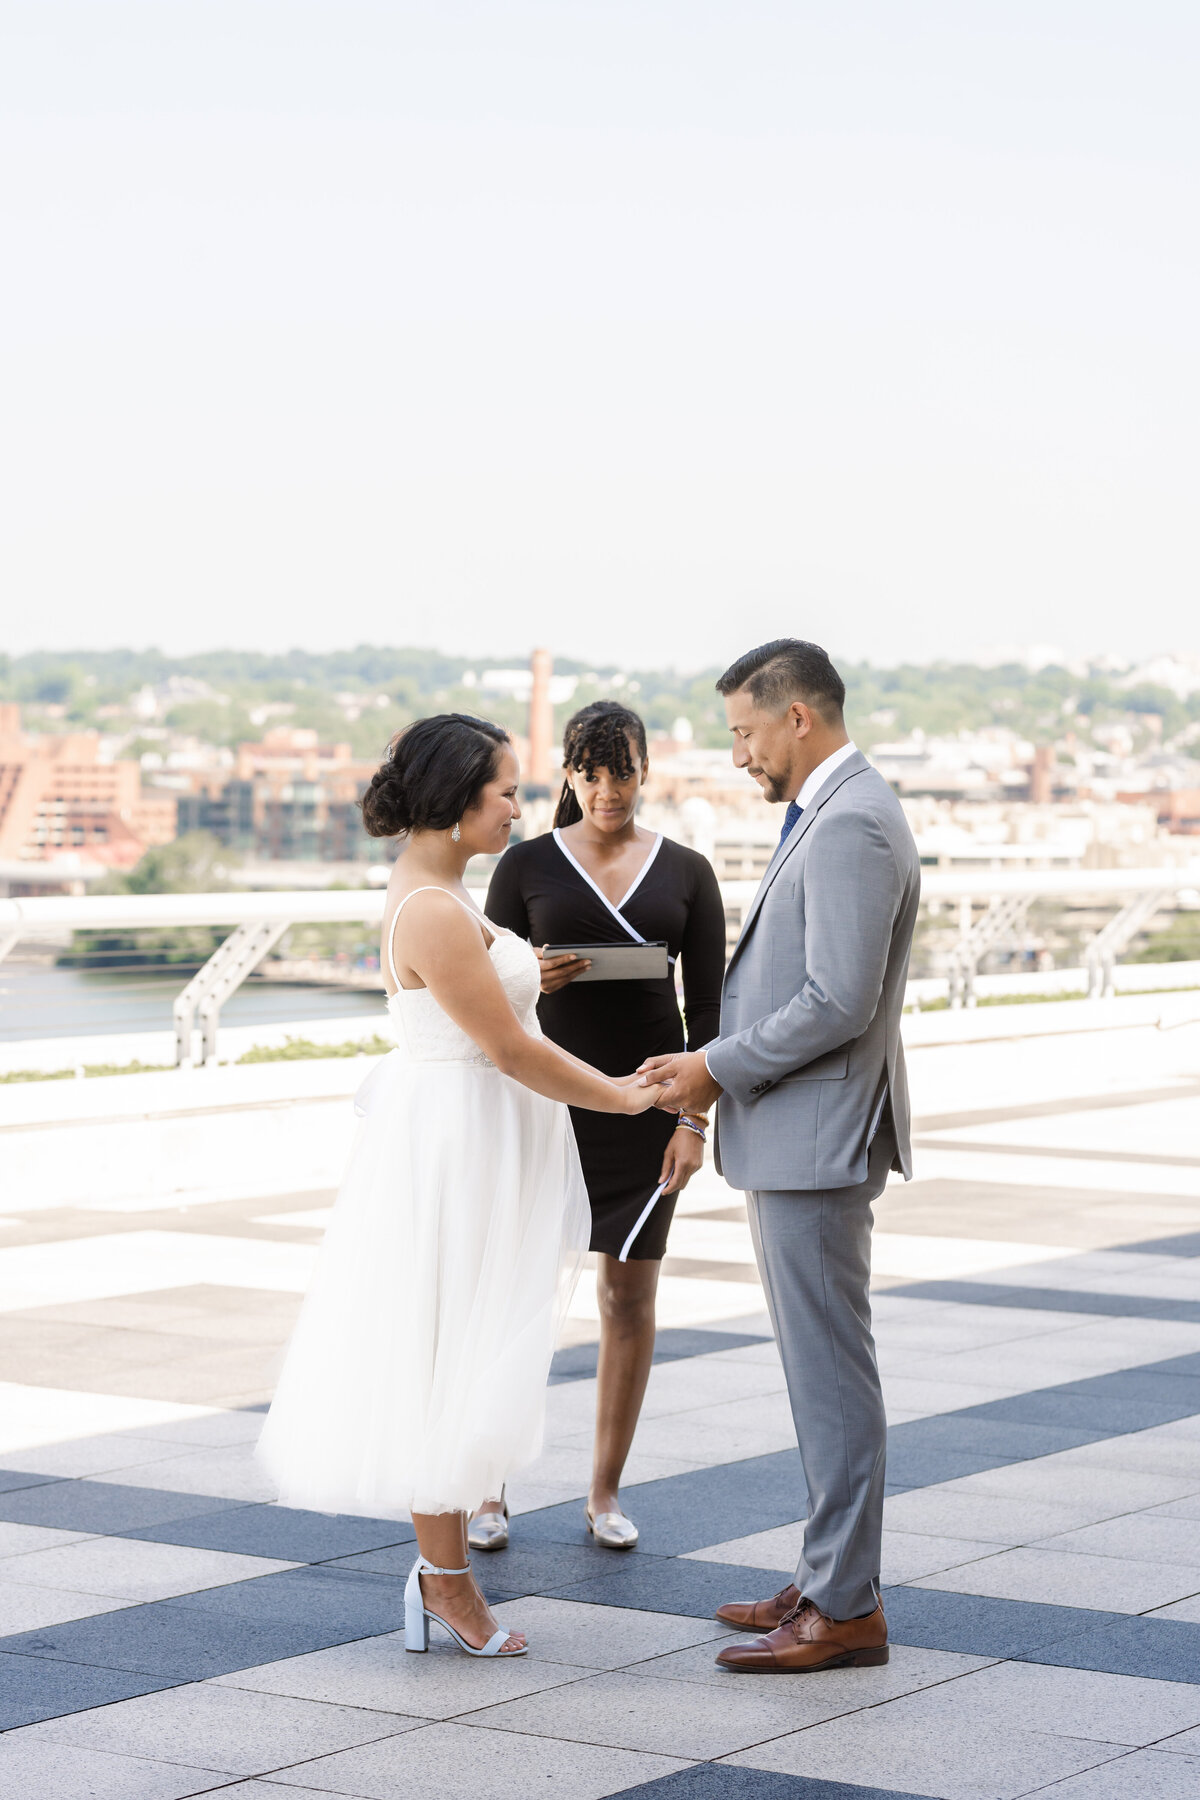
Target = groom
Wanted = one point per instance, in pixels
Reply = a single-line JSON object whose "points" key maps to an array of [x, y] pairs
{"points": [[812, 1113]]}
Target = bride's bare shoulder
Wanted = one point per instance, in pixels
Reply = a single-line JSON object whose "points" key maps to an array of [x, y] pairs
{"points": [[424, 914]]}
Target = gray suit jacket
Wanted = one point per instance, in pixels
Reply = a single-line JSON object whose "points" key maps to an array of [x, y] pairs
{"points": [[810, 1010]]}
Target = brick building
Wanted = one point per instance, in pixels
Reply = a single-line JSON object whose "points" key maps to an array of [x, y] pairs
{"points": [[59, 795], [290, 799]]}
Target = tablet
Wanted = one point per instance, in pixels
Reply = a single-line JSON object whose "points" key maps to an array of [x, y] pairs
{"points": [[617, 962]]}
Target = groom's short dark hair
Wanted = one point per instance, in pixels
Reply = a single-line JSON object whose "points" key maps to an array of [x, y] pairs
{"points": [[784, 670]]}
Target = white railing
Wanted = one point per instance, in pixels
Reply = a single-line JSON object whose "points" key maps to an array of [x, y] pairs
{"points": [[260, 920]]}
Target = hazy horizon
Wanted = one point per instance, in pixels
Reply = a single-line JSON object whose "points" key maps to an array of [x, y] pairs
{"points": [[647, 332]]}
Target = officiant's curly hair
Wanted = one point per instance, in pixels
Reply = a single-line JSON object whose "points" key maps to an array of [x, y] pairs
{"points": [[598, 737], [434, 772]]}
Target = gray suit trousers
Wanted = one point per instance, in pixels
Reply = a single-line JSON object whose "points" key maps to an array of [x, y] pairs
{"points": [[814, 1255]]}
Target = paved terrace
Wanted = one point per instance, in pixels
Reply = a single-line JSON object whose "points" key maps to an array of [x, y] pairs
{"points": [[168, 1632]]}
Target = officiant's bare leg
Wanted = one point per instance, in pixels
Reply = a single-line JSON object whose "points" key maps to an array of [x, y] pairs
{"points": [[625, 1294], [442, 1540]]}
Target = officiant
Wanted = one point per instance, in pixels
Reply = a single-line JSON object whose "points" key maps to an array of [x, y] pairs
{"points": [[600, 879]]}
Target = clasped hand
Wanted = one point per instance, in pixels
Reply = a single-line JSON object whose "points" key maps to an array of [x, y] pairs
{"points": [[682, 1079]]}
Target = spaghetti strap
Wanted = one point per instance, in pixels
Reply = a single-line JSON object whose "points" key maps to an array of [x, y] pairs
{"points": [[430, 887]]}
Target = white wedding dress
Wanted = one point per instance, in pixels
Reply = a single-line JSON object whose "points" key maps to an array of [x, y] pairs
{"points": [[415, 1380]]}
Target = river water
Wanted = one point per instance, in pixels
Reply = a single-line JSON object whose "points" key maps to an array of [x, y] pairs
{"points": [[40, 1001]]}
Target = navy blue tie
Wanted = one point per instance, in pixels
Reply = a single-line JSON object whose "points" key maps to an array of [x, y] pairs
{"points": [[789, 819]]}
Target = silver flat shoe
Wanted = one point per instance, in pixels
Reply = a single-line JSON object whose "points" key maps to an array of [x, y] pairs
{"points": [[489, 1530], [612, 1530]]}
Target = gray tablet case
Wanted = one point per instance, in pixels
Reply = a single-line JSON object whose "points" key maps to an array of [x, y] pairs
{"points": [[617, 962]]}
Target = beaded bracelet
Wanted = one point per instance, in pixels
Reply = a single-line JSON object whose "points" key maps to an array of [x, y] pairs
{"points": [[686, 1124]]}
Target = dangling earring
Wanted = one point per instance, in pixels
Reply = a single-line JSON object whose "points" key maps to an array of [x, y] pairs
{"points": [[455, 835]]}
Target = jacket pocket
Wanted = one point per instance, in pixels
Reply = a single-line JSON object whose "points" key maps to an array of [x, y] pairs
{"points": [[830, 1067]]}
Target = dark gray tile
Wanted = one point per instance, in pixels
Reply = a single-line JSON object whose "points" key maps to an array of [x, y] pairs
{"points": [[282, 1532], [721, 1781], [977, 1625], [1104, 1414], [340, 1602], [532, 1568], [102, 1506], [1186, 1243], [32, 1689], [673, 1585], [1015, 1440], [172, 1643], [912, 1464], [686, 1512], [1062, 1300], [1158, 1649], [577, 1362], [11, 1479]]}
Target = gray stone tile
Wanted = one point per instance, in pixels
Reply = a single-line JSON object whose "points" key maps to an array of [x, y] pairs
{"points": [[269, 1790], [1069, 1578], [1187, 1508], [838, 1691], [27, 1608], [1187, 1743], [215, 1428], [954, 1760], [378, 1673], [669, 1718], [1144, 1537], [1076, 1703], [906, 1554], [211, 1725], [1188, 1610], [230, 1472], [470, 1762], [1140, 1775], [1062, 1483], [57, 1770], [603, 1637], [16, 1540], [132, 1569], [90, 1455], [990, 1518]]}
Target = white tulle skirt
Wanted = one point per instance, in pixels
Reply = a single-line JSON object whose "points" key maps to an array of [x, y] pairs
{"points": [[415, 1380]]}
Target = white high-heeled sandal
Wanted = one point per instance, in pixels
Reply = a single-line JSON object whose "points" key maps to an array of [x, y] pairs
{"points": [[417, 1616]]}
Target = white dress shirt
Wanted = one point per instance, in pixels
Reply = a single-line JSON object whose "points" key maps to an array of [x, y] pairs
{"points": [[814, 782], [808, 792]]}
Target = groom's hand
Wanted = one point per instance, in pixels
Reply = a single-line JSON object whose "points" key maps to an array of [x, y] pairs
{"points": [[683, 1081]]}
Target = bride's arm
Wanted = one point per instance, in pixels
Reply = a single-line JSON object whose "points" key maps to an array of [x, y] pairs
{"points": [[441, 944]]}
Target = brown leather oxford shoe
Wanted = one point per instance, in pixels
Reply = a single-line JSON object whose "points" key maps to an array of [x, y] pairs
{"points": [[805, 1640], [759, 1615]]}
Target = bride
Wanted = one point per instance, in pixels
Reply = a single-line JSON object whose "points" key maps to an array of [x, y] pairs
{"points": [[415, 1379]]}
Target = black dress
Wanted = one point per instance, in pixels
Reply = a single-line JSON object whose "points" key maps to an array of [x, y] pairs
{"points": [[542, 893]]}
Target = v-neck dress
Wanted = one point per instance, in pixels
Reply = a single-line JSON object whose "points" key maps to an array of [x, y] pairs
{"points": [[543, 894]]}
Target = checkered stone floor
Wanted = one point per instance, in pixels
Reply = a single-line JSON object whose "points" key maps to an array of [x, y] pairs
{"points": [[165, 1630]]}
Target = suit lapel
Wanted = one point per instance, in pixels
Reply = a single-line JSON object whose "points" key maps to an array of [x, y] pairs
{"points": [[853, 765]]}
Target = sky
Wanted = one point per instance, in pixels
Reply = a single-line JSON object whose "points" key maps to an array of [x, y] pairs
{"points": [[643, 329]]}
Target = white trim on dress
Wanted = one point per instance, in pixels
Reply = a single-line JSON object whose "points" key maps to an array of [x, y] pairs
{"points": [[632, 889]]}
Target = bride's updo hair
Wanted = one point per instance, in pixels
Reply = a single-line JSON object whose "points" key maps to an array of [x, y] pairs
{"points": [[434, 772]]}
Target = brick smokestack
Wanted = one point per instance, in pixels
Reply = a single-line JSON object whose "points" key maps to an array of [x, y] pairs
{"points": [[541, 720], [1041, 776]]}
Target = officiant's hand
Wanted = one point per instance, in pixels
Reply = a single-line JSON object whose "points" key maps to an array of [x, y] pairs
{"points": [[683, 1081], [682, 1157], [557, 971]]}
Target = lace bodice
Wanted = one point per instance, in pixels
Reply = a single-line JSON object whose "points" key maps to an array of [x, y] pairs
{"points": [[424, 1033]]}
